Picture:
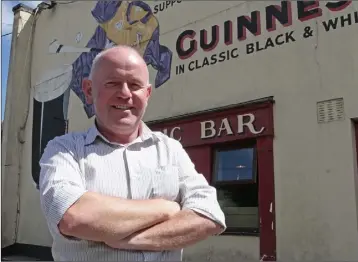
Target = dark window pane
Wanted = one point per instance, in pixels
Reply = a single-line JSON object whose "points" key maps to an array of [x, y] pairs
{"points": [[240, 205], [234, 165]]}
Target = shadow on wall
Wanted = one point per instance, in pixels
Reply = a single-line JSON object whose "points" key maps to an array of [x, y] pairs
{"points": [[224, 248], [210, 254]]}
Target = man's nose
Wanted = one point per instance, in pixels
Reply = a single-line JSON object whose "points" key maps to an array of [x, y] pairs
{"points": [[124, 91]]}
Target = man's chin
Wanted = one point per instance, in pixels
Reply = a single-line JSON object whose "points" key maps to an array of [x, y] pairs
{"points": [[125, 125]]}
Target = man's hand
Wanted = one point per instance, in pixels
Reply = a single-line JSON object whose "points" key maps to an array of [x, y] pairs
{"points": [[185, 228], [104, 218]]}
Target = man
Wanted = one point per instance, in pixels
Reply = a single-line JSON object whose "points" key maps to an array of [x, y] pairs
{"points": [[120, 192]]}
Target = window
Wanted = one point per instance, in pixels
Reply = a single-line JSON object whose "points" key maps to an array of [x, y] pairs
{"points": [[236, 180]]}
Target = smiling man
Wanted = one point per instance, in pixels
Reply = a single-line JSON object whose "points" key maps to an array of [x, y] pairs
{"points": [[120, 192]]}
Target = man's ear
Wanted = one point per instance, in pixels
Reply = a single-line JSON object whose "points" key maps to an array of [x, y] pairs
{"points": [[149, 91], [87, 90]]}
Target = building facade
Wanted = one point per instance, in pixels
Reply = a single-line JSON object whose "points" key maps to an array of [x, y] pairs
{"points": [[262, 95]]}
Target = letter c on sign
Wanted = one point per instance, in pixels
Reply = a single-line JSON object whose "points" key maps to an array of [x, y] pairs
{"points": [[172, 133]]}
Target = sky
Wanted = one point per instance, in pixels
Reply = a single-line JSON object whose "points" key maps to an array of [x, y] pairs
{"points": [[7, 18]]}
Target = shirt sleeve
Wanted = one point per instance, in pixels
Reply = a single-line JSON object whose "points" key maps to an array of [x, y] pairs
{"points": [[61, 183], [196, 193]]}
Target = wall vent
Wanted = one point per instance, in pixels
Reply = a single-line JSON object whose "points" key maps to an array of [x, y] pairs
{"points": [[330, 110]]}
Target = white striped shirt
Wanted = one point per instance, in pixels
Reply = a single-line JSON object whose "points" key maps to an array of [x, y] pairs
{"points": [[152, 166]]}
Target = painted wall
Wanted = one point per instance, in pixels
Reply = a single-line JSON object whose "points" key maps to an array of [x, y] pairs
{"points": [[315, 169], [15, 125]]}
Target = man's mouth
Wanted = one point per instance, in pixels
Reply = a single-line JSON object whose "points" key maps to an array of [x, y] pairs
{"points": [[122, 107]]}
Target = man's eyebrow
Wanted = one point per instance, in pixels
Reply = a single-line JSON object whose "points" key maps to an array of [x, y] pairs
{"points": [[134, 79]]}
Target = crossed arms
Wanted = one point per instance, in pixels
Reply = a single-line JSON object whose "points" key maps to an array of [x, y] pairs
{"points": [[135, 224], [153, 224]]}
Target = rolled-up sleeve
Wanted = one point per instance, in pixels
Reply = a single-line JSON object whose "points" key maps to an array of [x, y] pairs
{"points": [[196, 193], [61, 183]]}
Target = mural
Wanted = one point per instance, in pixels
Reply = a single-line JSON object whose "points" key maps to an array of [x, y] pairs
{"points": [[119, 22], [129, 23]]}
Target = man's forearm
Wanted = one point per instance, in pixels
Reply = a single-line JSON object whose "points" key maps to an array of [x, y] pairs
{"points": [[183, 229], [102, 218]]}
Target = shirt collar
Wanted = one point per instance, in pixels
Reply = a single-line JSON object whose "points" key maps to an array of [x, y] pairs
{"points": [[144, 130]]}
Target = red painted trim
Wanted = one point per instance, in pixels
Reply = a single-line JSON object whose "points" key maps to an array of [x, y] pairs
{"points": [[201, 155], [356, 133], [190, 127], [266, 199]]}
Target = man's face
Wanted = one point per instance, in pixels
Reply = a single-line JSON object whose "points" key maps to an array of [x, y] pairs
{"points": [[119, 91]]}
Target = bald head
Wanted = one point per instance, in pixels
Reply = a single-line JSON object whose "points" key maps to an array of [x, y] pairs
{"points": [[121, 56], [119, 89]]}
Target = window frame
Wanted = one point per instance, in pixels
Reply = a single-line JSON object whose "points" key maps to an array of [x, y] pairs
{"points": [[237, 145], [234, 146]]}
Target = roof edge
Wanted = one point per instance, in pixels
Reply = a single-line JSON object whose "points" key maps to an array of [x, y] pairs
{"points": [[22, 7], [269, 99]]}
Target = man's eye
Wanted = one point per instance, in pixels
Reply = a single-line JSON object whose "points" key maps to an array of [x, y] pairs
{"points": [[135, 86], [111, 84]]}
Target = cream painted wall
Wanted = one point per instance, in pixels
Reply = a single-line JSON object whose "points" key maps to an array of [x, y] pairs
{"points": [[32, 226], [316, 202], [16, 109]]}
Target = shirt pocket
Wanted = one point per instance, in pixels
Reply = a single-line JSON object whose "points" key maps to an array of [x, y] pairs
{"points": [[166, 183]]}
